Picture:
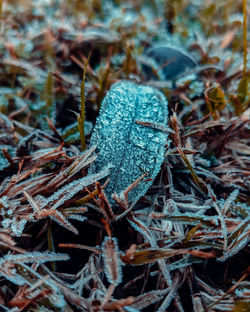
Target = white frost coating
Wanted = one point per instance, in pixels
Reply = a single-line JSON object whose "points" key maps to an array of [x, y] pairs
{"points": [[164, 267], [39, 257], [8, 271], [195, 218], [68, 191], [77, 217], [5, 201], [148, 298], [242, 293], [183, 263], [230, 200], [17, 226], [81, 162], [244, 223], [168, 299], [6, 223], [133, 149], [56, 298], [142, 229], [112, 260], [242, 241]]}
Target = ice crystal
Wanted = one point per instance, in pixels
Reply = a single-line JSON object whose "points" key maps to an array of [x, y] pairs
{"points": [[77, 217], [4, 201], [3, 162], [61, 220], [6, 223], [193, 218], [192, 208], [84, 160], [131, 148], [196, 88], [242, 292], [57, 299], [17, 226], [9, 219]]}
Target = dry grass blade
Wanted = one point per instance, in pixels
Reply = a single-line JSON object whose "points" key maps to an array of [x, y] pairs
{"points": [[112, 261], [149, 298], [146, 256], [118, 304]]}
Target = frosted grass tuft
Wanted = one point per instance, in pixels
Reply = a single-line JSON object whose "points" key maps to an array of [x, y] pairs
{"points": [[8, 262], [68, 191], [242, 241]]}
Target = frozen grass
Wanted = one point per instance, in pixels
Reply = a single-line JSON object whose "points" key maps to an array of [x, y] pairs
{"points": [[65, 244]]}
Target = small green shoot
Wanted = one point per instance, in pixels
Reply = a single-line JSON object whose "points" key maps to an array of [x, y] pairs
{"points": [[49, 93], [241, 100], [103, 82], [244, 4], [130, 65], [1, 15], [215, 99], [81, 116]]}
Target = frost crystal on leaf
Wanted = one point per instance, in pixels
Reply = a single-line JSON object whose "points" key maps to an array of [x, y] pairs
{"points": [[131, 148]]}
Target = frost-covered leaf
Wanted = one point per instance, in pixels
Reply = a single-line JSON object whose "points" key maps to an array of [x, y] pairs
{"points": [[131, 149]]}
